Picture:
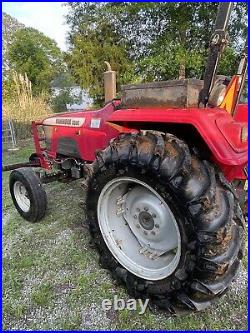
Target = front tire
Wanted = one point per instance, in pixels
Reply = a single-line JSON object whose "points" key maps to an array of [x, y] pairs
{"points": [[28, 194], [204, 208]]}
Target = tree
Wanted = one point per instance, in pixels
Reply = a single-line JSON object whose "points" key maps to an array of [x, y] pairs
{"points": [[151, 39], [38, 56], [63, 92], [86, 62], [91, 45], [9, 25], [59, 102]]}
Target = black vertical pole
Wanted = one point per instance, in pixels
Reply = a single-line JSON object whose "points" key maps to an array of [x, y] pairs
{"points": [[218, 42]]}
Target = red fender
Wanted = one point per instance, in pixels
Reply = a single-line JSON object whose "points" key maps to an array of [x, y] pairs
{"points": [[241, 113], [221, 133]]}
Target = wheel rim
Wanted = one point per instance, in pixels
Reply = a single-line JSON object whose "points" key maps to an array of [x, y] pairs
{"points": [[21, 196], [139, 228]]}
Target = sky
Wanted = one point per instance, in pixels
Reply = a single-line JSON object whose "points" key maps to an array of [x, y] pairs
{"points": [[47, 17]]}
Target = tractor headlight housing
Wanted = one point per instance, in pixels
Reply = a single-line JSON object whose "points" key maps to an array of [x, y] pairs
{"points": [[217, 94]]}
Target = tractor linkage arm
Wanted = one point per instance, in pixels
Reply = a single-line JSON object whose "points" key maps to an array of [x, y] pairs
{"points": [[219, 41]]}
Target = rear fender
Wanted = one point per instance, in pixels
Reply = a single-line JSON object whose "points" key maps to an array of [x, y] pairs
{"points": [[241, 113], [221, 134]]}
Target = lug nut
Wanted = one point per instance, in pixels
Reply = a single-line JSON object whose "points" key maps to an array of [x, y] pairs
{"points": [[138, 226], [145, 233], [153, 233], [153, 215], [157, 226], [138, 210], [135, 216], [146, 209]]}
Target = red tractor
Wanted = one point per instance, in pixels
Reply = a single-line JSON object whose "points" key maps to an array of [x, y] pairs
{"points": [[160, 165]]}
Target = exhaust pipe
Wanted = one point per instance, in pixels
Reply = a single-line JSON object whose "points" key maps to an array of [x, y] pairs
{"points": [[109, 83]]}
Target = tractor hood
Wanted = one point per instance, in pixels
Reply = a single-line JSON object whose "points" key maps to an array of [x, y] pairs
{"points": [[84, 118]]}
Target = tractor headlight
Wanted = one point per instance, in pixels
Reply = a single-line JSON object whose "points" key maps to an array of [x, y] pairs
{"points": [[217, 94]]}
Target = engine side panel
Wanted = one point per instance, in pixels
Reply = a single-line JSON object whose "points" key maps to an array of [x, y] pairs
{"points": [[80, 134]]}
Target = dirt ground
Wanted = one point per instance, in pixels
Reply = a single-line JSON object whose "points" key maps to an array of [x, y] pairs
{"points": [[52, 280]]}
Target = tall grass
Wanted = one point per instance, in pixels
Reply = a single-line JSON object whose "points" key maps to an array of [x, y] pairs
{"points": [[22, 107]]}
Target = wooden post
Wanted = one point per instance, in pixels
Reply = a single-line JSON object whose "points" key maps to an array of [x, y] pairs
{"points": [[109, 83], [182, 73]]}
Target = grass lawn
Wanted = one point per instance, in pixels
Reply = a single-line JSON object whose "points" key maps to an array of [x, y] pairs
{"points": [[52, 280]]}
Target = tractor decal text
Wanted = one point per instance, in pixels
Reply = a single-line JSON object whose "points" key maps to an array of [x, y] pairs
{"points": [[64, 121]]}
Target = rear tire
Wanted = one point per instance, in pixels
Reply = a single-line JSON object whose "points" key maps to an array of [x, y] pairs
{"points": [[204, 206], [28, 194]]}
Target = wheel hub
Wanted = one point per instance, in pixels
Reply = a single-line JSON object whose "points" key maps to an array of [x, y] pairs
{"points": [[21, 196], [146, 220], [139, 228]]}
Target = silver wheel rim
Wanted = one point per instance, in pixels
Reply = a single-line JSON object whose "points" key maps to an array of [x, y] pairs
{"points": [[21, 196], [139, 228]]}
